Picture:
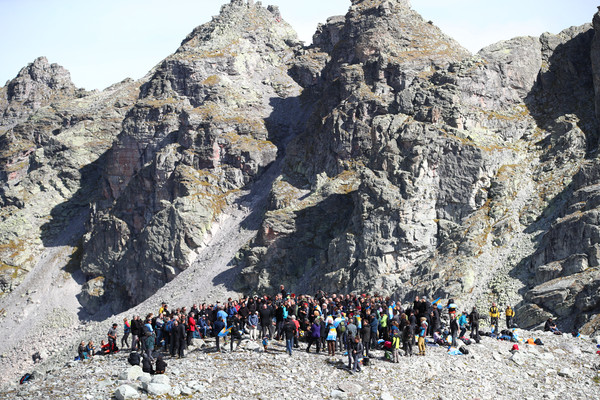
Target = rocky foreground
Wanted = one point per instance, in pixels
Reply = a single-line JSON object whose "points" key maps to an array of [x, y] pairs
{"points": [[564, 368]]}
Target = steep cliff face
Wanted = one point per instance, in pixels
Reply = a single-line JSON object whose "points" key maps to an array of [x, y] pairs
{"points": [[409, 165], [427, 170], [208, 121], [53, 138]]}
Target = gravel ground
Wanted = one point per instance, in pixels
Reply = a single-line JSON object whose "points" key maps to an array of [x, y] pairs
{"points": [[564, 368]]}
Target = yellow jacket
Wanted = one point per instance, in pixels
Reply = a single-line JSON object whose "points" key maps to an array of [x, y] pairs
{"points": [[509, 312], [494, 312]]}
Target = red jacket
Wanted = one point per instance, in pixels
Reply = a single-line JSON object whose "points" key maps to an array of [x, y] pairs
{"points": [[191, 324]]}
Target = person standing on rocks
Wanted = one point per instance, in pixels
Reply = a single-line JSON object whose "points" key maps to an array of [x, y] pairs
{"points": [[126, 331], [474, 322], [453, 329], [253, 325], [314, 336], [266, 316], [112, 338], [180, 337], [218, 326], [510, 314], [331, 337], [355, 351], [422, 334], [408, 338], [494, 315], [289, 331], [136, 331], [365, 333]]}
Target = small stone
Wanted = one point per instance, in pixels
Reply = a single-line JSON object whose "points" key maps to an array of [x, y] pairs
{"points": [[157, 389], [124, 392], [518, 358], [131, 373], [186, 391], [338, 394], [565, 373], [164, 379], [145, 378], [349, 387], [386, 396]]}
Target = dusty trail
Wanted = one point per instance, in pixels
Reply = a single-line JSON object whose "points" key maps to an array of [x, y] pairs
{"points": [[44, 308]]}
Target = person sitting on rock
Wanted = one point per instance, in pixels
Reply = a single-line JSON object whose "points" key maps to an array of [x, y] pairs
{"points": [[134, 358], [550, 326], [161, 366], [82, 351], [90, 348], [147, 365], [104, 348]]}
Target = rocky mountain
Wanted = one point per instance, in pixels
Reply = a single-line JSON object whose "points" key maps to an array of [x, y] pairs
{"points": [[384, 157]]}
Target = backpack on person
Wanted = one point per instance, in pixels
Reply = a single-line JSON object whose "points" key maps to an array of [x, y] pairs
{"points": [[147, 332], [169, 326]]}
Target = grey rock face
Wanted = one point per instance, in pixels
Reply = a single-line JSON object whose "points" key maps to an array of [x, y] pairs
{"points": [[409, 165], [207, 123]]}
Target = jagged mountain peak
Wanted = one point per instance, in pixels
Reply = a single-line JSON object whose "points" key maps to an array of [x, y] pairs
{"points": [[239, 20], [35, 86], [392, 30]]}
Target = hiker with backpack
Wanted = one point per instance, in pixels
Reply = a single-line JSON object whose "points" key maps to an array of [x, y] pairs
{"points": [[289, 331], [396, 339], [474, 322], [341, 332], [510, 314], [494, 316]]}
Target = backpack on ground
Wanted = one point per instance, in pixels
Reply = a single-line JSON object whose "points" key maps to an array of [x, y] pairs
{"points": [[25, 378], [463, 350], [539, 342]]}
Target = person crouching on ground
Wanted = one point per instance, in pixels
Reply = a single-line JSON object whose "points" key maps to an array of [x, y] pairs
{"points": [[161, 366]]}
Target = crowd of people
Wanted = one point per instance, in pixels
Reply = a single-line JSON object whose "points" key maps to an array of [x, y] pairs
{"points": [[353, 324]]}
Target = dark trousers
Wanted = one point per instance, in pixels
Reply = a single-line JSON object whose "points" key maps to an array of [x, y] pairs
{"points": [[315, 340], [172, 347], [407, 346], [238, 339], [124, 340], [475, 332], [367, 346], [135, 341], [181, 348]]}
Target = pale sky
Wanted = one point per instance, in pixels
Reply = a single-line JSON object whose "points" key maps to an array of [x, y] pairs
{"points": [[104, 42]]}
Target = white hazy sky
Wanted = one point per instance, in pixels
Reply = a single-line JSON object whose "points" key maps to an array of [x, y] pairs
{"points": [[104, 42]]}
